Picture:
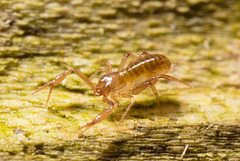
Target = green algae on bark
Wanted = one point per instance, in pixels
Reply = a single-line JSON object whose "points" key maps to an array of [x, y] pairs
{"points": [[40, 39]]}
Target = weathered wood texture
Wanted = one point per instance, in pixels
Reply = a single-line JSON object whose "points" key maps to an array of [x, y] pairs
{"points": [[40, 39]]}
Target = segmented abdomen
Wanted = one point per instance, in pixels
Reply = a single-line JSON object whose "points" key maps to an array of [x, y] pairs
{"points": [[145, 68]]}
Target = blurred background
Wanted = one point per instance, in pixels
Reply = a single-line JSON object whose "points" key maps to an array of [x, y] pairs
{"points": [[40, 39]]}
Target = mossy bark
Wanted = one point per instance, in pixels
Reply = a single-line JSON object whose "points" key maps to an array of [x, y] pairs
{"points": [[40, 39]]}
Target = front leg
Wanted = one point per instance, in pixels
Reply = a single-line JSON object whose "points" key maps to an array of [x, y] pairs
{"points": [[102, 69], [58, 79], [101, 116]]}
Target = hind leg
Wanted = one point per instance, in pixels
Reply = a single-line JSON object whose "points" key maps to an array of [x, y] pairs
{"points": [[174, 79], [150, 82]]}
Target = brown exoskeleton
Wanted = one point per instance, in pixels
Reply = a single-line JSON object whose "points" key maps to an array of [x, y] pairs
{"points": [[144, 70]]}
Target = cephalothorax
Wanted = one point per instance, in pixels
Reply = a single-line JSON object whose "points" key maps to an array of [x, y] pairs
{"points": [[144, 70]]}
